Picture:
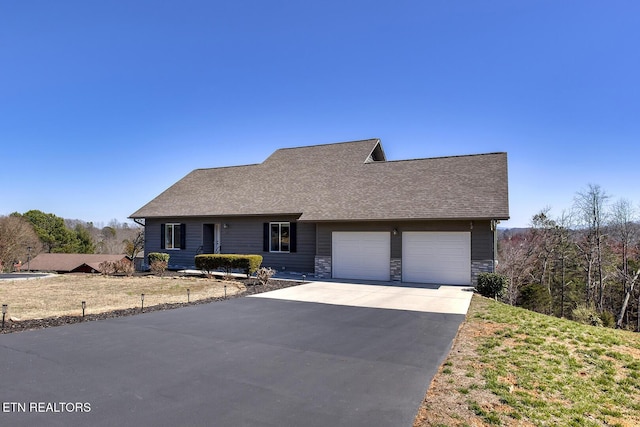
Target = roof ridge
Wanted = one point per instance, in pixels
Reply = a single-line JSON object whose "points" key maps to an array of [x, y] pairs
{"points": [[329, 143], [225, 167], [446, 157]]}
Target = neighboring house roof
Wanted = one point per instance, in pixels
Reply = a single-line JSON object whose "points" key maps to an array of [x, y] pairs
{"points": [[70, 262], [343, 182]]}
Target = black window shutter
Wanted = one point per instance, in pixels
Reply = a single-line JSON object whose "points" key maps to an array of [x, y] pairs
{"points": [[293, 237], [183, 236], [265, 237], [162, 236]]}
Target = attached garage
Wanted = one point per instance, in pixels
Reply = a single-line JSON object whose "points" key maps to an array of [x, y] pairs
{"points": [[361, 255], [436, 257]]}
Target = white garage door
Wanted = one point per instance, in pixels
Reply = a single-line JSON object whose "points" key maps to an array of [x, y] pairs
{"points": [[361, 255], [436, 257]]}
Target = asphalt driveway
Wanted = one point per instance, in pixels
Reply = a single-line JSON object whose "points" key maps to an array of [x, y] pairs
{"points": [[267, 361]]}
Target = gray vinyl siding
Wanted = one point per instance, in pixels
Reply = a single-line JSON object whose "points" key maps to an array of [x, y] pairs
{"points": [[481, 234], [482, 241], [178, 258], [245, 235], [242, 235]]}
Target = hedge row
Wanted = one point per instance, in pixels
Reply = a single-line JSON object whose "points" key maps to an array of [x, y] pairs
{"points": [[228, 262]]}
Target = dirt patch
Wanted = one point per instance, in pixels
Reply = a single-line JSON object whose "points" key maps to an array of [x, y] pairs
{"points": [[452, 389]]}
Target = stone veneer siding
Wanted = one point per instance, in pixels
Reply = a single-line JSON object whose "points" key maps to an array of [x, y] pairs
{"points": [[322, 267], [482, 266], [396, 269]]}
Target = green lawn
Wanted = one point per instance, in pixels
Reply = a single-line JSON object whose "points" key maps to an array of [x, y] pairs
{"points": [[511, 366]]}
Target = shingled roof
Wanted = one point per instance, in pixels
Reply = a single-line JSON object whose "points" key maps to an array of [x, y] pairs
{"points": [[70, 262], [343, 181]]}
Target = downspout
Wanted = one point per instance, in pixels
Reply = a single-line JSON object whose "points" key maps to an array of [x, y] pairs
{"points": [[494, 229]]}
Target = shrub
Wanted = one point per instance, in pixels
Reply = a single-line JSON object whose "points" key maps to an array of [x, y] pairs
{"points": [[586, 314], [158, 262], [264, 274], [491, 285], [107, 268], [124, 266], [158, 267], [248, 264], [158, 256]]}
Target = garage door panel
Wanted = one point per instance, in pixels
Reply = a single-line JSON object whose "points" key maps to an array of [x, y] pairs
{"points": [[361, 255], [436, 257]]}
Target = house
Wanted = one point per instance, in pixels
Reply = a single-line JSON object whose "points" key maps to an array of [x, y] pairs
{"points": [[339, 211], [71, 263]]}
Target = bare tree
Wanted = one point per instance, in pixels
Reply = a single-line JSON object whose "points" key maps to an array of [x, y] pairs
{"points": [[116, 237], [515, 261], [544, 246], [564, 252], [18, 241], [624, 231], [590, 206], [136, 245]]}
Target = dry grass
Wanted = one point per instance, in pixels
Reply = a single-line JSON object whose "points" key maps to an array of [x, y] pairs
{"points": [[62, 294]]}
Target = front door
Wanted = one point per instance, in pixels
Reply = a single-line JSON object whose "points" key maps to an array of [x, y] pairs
{"points": [[211, 239], [216, 239]]}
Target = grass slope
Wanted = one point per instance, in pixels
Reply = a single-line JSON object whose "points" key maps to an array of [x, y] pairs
{"points": [[511, 366]]}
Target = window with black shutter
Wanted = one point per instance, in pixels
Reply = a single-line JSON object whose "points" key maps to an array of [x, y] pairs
{"points": [[279, 237], [173, 236]]}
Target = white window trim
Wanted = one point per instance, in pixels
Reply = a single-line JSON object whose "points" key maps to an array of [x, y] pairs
{"points": [[173, 225], [279, 224]]}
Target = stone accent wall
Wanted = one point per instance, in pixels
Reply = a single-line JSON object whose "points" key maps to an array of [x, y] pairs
{"points": [[396, 269], [322, 267], [481, 266]]}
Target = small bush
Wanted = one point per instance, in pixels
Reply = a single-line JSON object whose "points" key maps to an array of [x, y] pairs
{"points": [[264, 274], [248, 264], [491, 285], [158, 262], [158, 267], [107, 268], [158, 256], [124, 266], [586, 314]]}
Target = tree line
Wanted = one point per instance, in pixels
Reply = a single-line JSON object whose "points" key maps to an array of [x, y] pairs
{"points": [[23, 236], [583, 264]]}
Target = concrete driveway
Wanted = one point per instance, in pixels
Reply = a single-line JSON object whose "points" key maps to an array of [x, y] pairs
{"points": [[320, 354], [388, 295]]}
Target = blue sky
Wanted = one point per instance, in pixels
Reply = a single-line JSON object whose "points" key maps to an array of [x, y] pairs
{"points": [[103, 105]]}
